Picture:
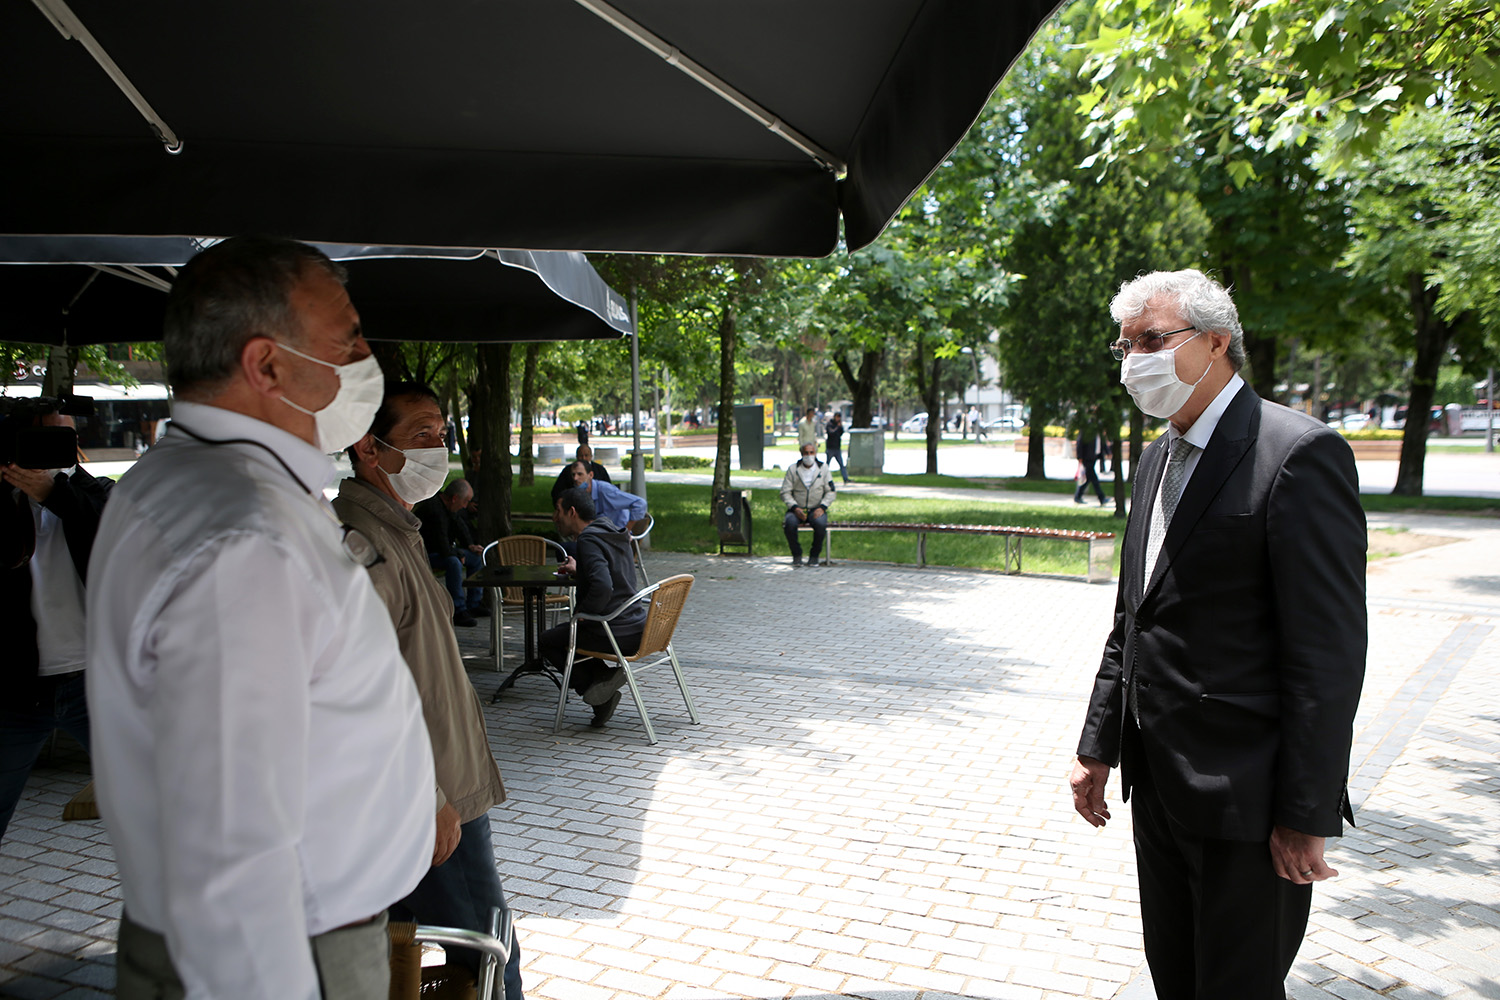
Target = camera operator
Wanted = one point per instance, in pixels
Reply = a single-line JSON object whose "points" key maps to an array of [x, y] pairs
{"points": [[46, 531]]}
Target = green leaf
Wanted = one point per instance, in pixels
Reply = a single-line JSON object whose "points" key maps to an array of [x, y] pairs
{"points": [[1325, 21]]}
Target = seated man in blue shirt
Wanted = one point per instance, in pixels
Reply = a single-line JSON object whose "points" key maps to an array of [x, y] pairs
{"points": [[611, 503]]}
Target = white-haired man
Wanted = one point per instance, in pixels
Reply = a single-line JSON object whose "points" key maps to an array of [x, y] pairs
{"points": [[1229, 683]]}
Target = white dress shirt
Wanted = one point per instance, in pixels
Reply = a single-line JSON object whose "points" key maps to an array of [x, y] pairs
{"points": [[1202, 430], [56, 596], [263, 767]]}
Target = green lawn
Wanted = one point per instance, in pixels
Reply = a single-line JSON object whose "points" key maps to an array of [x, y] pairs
{"points": [[682, 524]]}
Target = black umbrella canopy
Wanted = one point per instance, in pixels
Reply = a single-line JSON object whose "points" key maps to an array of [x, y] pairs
{"points": [[94, 290], [673, 126]]}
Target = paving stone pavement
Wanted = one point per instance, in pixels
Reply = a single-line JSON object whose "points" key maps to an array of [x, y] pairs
{"points": [[875, 804]]}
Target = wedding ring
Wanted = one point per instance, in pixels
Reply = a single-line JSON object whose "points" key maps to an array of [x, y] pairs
{"points": [[1307, 874]]}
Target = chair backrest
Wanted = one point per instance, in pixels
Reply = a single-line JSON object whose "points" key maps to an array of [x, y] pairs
{"points": [[666, 608], [517, 550], [649, 522]]}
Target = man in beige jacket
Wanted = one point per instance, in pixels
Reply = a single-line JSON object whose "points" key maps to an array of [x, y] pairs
{"points": [[401, 461]]}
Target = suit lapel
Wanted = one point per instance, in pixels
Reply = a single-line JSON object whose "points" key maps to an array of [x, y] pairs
{"points": [[1231, 441]]}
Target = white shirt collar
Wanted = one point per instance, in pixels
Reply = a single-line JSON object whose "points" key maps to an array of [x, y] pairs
{"points": [[1202, 430], [215, 423]]}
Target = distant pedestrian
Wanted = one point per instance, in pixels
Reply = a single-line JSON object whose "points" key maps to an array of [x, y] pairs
{"points": [[582, 431], [807, 428], [1089, 450], [835, 443]]}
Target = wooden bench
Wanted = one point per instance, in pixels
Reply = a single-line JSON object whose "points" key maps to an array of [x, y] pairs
{"points": [[1101, 543]]}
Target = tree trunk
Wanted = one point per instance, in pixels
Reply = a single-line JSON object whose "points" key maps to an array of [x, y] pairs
{"points": [[460, 436], [930, 389], [492, 413], [528, 413], [1432, 335], [1036, 444], [861, 385], [726, 405]]}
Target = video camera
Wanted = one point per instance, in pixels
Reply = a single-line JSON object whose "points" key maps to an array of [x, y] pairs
{"points": [[24, 442]]}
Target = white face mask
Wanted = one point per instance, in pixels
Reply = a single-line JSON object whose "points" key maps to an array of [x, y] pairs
{"points": [[808, 460], [424, 473], [347, 416], [1153, 383]]}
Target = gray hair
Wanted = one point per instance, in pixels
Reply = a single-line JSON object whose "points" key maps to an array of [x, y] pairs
{"points": [[1203, 302], [457, 488], [229, 293]]}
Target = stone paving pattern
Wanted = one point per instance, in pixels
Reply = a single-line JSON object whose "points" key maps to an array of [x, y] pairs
{"points": [[876, 806]]}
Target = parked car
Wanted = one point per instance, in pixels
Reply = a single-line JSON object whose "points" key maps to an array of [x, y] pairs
{"points": [[1009, 424], [1351, 422], [915, 424]]}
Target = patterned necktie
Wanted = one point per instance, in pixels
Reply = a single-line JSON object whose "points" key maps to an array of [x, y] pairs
{"points": [[1166, 505]]}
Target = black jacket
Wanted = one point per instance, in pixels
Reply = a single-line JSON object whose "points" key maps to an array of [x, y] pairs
{"points": [[77, 500], [441, 532], [606, 577], [1247, 644]]}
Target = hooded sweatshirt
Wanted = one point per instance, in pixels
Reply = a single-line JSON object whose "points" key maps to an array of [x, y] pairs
{"points": [[606, 576]]}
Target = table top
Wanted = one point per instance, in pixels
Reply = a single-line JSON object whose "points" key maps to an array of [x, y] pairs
{"points": [[538, 577]]}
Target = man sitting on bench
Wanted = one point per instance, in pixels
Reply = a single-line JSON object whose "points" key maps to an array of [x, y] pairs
{"points": [[807, 490]]}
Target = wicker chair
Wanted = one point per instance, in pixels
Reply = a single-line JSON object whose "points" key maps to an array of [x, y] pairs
{"points": [[518, 550], [410, 981], [667, 599]]}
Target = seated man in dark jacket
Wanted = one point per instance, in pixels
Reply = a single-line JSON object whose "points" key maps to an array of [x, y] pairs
{"points": [[606, 579], [451, 549], [565, 477]]}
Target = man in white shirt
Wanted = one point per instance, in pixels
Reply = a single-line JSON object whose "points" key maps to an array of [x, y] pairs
{"points": [[261, 759]]}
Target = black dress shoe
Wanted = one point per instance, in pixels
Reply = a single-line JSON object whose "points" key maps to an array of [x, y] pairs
{"points": [[603, 713], [464, 620], [599, 692]]}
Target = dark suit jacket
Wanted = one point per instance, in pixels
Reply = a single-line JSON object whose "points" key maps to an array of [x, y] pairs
{"points": [[1248, 643], [78, 501]]}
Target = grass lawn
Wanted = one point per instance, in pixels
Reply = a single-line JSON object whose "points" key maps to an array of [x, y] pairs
{"points": [[682, 525]]}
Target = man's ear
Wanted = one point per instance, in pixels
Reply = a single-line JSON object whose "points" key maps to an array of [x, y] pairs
{"points": [[261, 365], [365, 452]]}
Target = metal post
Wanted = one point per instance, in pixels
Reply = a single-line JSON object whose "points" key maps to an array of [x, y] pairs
{"points": [[1489, 393], [656, 434], [637, 460]]}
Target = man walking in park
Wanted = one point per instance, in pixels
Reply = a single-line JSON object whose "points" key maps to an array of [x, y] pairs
{"points": [[1228, 686], [258, 742]]}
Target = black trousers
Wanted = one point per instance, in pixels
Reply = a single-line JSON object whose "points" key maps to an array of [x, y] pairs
{"points": [[1219, 923], [587, 671]]}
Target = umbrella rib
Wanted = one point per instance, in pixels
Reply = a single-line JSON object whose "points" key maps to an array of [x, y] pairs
{"points": [[69, 26], [135, 274], [702, 75]]}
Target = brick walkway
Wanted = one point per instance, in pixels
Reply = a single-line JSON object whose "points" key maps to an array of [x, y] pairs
{"points": [[876, 804]]}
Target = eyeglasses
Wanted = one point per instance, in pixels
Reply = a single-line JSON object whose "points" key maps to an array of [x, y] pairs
{"points": [[1146, 343]]}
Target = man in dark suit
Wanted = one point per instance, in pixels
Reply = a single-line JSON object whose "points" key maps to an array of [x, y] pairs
{"points": [[1229, 683]]}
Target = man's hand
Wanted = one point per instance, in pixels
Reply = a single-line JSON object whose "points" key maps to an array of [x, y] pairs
{"points": [[35, 483], [448, 834], [1298, 857], [801, 514], [476, 548], [569, 566], [1087, 781]]}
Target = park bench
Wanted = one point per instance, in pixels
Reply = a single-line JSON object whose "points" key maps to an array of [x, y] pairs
{"points": [[1101, 543]]}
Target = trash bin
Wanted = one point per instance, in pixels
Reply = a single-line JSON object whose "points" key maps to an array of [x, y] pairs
{"points": [[866, 451], [732, 519]]}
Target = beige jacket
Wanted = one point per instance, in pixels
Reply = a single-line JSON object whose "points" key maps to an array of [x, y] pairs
{"points": [[422, 612]]}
